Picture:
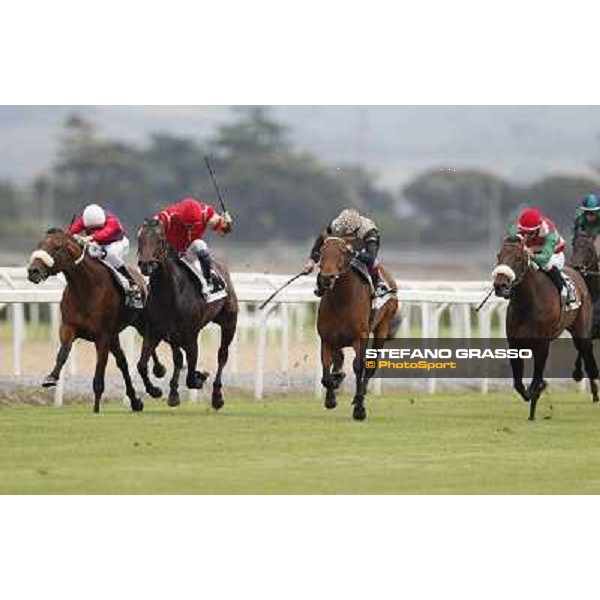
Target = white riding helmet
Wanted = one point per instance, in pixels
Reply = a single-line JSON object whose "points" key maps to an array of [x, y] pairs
{"points": [[93, 216], [347, 223]]}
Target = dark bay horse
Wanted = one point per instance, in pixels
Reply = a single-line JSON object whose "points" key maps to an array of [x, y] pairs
{"points": [[92, 309], [584, 259], [535, 317], [345, 319], [176, 312]]}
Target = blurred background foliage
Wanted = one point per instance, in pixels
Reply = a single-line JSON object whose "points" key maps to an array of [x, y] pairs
{"points": [[275, 191]]}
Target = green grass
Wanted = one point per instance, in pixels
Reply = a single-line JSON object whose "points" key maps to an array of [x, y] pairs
{"points": [[448, 443]]}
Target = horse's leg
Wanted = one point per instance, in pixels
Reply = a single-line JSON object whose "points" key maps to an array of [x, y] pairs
{"points": [[337, 374], [577, 371], [227, 333], [158, 370], [174, 399], [327, 380], [121, 360], [148, 347], [195, 379], [66, 336], [586, 352], [540, 355], [102, 350], [359, 413]]}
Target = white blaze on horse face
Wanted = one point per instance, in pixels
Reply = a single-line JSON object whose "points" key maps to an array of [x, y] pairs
{"points": [[504, 270], [43, 256]]}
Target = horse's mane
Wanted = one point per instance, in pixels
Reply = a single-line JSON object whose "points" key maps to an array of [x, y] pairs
{"points": [[53, 230]]}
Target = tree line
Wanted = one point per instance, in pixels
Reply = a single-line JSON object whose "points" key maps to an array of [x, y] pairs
{"points": [[275, 191]]}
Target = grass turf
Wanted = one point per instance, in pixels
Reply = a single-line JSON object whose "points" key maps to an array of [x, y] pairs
{"points": [[447, 443]]}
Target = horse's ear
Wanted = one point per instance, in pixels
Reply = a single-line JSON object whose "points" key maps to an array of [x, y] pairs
{"points": [[153, 222]]}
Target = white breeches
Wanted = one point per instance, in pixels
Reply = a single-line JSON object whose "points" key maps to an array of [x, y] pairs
{"points": [[557, 260], [197, 246], [116, 252]]}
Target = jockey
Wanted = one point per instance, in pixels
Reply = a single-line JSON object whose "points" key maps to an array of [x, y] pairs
{"points": [[587, 216], [106, 236], [545, 245], [185, 224], [349, 223]]}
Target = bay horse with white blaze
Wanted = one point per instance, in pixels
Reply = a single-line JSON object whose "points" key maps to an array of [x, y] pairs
{"points": [[346, 319], [536, 316], [176, 312], [92, 308]]}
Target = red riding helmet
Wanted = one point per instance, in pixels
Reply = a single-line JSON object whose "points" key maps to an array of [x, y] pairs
{"points": [[190, 211], [530, 220]]}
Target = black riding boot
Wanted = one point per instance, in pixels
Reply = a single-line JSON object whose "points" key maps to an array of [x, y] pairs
{"points": [[134, 297], [212, 279], [557, 279]]}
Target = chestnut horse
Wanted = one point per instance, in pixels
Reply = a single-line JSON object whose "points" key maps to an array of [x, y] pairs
{"points": [[176, 312], [584, 260], [535, 317], [92, 308], [345, 319]]}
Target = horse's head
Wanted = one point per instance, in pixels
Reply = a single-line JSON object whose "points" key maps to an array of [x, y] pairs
{"points": [[152, 246], [58, 251], [336, 253], [512, 264], [584, 257]]}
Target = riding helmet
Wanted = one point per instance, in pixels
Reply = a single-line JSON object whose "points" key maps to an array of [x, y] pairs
{"points": [[590, 203]]}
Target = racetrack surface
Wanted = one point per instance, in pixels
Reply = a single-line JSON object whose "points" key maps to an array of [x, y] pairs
{"points": [[447, 443]]}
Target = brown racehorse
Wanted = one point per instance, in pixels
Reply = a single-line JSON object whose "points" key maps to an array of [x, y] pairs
{"points": [[176, 313], [584, 259], [92, 309], [535, 317], [345, 319]]}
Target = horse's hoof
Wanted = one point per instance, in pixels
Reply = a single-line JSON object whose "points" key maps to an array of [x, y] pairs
{"points": [[531, 418], [217, 402], [137, 405], [196, 380], [174, 400], [359, 413], [159, 371], [49, 382], [155, 392], [577, 376], [330, 403], [595, 398]]}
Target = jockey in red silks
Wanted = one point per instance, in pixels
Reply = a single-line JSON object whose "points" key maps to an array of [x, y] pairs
{"points": [[185, 224], [546, 247], [106, 239]]}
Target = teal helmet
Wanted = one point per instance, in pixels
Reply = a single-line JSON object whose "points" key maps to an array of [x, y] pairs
{"points": [[590, 203]]}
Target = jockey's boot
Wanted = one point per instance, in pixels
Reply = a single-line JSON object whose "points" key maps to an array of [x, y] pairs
{"points": [[378, 283], [558, 280], [213, 281], [135, 298]]}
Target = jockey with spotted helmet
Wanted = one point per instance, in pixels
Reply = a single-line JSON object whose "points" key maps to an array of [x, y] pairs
{"points": [[350, 223], [587, 216], [106, 239], [545, 245], [185, 224]]}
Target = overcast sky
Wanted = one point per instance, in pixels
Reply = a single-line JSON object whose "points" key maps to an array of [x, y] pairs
{"points": [[522, 142]]}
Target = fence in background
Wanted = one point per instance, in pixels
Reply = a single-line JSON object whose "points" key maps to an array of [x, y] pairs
{"points": [[424, 305]]}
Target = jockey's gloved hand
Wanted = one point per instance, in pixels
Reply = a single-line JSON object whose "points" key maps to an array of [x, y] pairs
{"points": [[227, 218], [308, 267], [96, 251]]}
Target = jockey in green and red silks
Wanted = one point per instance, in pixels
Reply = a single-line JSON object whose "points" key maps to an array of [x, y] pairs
{"points": [[545, 245]]}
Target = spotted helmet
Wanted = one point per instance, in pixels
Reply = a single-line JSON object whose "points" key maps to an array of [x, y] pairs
{"points": [[347, 223]]}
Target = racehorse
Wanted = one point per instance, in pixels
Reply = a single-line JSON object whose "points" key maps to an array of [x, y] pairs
{"points": [[176, 312], [92, 308], [535, 317], [584, 260], [345, 318]]}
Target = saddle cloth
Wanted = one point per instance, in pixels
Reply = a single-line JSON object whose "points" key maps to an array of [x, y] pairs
{"points": [[573, 293], [196, 271]]}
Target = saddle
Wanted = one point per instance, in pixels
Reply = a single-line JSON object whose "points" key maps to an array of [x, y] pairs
{"points": [[124, 286], [199, 279]]}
